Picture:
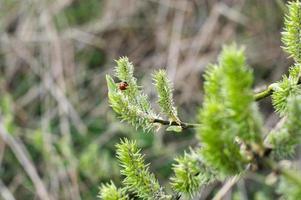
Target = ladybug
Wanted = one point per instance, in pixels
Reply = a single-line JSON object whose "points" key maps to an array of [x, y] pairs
{"points": [[123, 85]]}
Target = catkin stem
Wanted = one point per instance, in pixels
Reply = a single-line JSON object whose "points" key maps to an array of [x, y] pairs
{"points": [[267, 92]]}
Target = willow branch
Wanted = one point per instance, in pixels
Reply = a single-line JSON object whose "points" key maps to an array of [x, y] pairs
{"points": [[226, 187], [257, 97], [184, 125], [263, 94], [267, 92]]}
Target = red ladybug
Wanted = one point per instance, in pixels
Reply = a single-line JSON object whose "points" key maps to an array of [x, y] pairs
{"points": [[123, 85]]}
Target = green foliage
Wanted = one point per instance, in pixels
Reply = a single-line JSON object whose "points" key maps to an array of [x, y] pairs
{"points": [[292, 30], [138, 179], [165, 101], [124, 71], [133, 106], [230, 130], [286, 88], [190, 174], [78, 13], [286, 95], [261, 196], [285, 140], [123, 106], [110, 192], [36, 138], [228, 113], [93, 168]]}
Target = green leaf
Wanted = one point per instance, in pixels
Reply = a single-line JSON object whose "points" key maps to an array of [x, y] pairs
{"points": [[174, 128], [111, 84]]}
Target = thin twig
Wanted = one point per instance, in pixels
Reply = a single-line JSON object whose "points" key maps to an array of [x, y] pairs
{"points": [[5, 193], [263, 94], [226, 187], [184, 125]]}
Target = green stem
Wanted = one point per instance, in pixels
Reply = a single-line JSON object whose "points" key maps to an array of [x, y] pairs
{"points": [[267, 92], [263, 94]]}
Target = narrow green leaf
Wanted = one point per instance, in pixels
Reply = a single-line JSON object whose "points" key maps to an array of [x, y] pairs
{"points": [[174, 129]]}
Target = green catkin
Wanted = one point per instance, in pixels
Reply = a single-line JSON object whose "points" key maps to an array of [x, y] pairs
{"points": [[190, 174], [131, 104], [291, 36], [228, 113], [138, 179], [110, 192], [288, 87], [285, 139], [165, 96]]}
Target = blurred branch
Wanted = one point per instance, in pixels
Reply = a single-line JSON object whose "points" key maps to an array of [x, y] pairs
{"points": [[50, 85], [23, 156], [279, 169], [226, 187], [5, 193]]}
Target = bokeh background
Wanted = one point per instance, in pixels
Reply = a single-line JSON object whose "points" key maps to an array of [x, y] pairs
{"points": [[58, 132]]}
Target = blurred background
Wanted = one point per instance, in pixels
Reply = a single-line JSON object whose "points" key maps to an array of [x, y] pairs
{"points": [[58, 132]]}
